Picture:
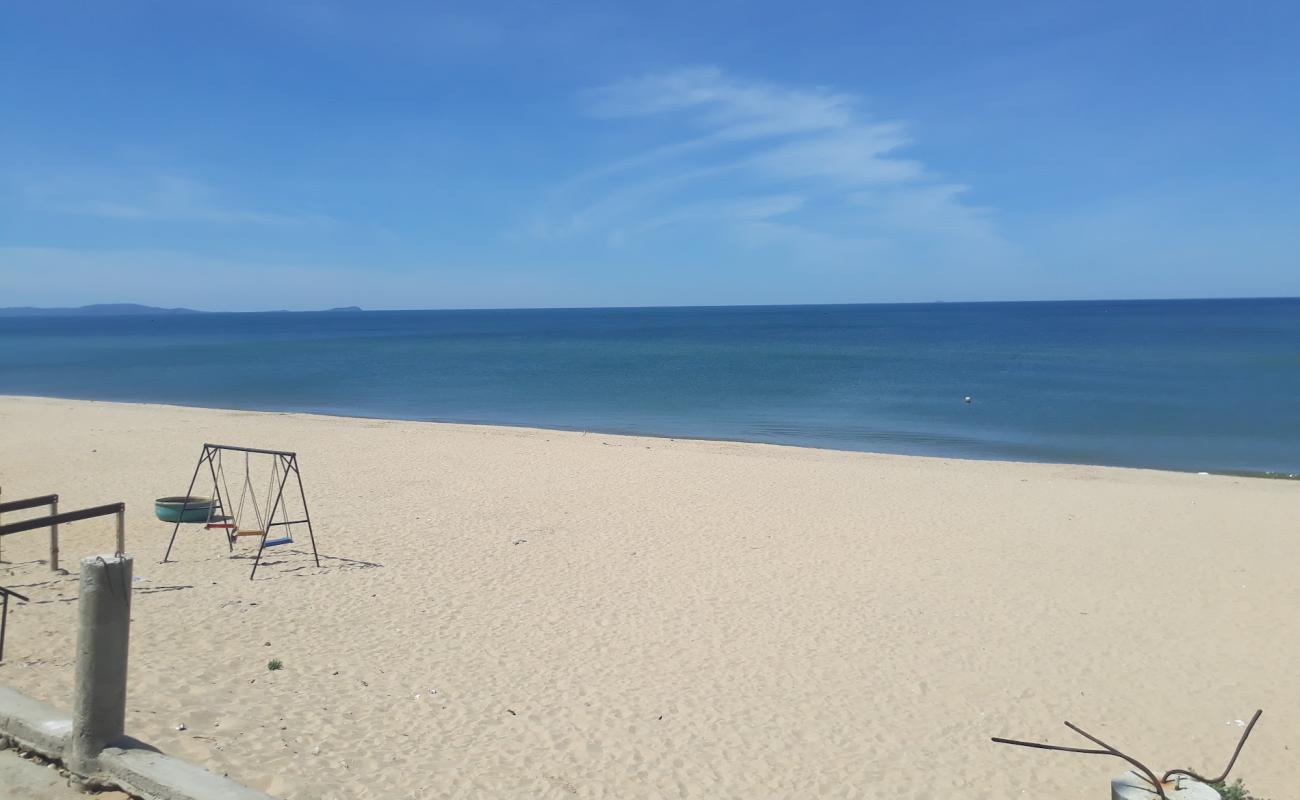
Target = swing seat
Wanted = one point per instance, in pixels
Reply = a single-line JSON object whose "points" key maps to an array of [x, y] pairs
{"points": [[248, 533], [277, 542], [225, 525]]}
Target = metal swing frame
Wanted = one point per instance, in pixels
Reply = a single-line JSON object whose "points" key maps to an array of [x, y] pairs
{"points": [[288, 464]]}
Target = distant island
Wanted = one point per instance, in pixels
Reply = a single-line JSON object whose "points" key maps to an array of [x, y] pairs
{"points": [[96, 310], [117, 310]]}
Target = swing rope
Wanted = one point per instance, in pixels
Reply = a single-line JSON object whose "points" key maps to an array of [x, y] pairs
{"points": [[225, 485], [248, 493], [248, 498], [270, 489], [287, 538]]}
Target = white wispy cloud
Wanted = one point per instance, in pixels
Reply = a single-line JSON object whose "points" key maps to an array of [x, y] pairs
{"points": [[740, 153], [730, 108], [156, 198]]}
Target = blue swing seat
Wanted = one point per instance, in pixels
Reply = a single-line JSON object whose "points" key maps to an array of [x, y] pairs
{"points": [[275, 542]]}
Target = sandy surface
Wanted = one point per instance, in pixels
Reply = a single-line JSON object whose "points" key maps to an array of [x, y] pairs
{"points": [[21, 779], [522, 613]]}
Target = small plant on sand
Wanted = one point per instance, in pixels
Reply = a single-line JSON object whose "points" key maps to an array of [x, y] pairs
{"points": [[1234, 791], [274, 664]]}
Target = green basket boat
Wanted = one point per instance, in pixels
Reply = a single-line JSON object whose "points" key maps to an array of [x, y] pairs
{"points": [[182, 509]]}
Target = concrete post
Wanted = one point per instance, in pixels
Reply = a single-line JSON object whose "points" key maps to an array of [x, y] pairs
{"points": [[1132, 786], [103, 628]]}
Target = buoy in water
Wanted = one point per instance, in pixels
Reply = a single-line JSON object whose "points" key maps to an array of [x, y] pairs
{"points": [[967, 399]]}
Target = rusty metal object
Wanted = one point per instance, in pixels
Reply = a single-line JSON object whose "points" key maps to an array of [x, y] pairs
{"points": [[1157, 784], [1150, 776], [1224, 777], [1106, 750]]}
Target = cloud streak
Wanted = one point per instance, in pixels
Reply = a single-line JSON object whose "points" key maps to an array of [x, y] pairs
{"points": [[159, 198], [739, 154]]}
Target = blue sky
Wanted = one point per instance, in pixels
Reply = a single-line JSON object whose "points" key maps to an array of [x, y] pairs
{"points": [[254, 155]]}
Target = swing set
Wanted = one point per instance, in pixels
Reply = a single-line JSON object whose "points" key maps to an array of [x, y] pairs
{"points": [[250, 518]]}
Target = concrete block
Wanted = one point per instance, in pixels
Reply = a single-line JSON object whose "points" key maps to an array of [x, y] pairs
{"points": [[154, 775], [33, 724], [1133, 786]]}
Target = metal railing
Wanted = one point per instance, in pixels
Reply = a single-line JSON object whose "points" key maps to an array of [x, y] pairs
{"points": [[55, 519], [51, 500]]}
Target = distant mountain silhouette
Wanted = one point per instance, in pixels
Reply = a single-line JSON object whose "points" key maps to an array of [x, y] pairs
{"points": [[96, 310], [123, 310]]}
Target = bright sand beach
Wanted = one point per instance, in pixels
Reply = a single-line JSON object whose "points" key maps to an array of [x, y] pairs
{"points": [[520, 613]]}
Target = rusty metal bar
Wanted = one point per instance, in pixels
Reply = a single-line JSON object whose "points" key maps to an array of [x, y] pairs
{"points": [[1157, 786], [4, 614], [251, 450], [51, 500], [30, 502], [56, 519], [1108, 750], [261, 544], [207, 454], [54, 535], [1224, 777], [1151, 776], [293, 463], [1058, 747]]}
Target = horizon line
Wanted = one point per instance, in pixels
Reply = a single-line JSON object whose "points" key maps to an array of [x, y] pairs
{"points": [[145, 308]]}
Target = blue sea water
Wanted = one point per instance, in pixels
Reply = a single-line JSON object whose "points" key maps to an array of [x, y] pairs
{"points": [[1194, 385]]}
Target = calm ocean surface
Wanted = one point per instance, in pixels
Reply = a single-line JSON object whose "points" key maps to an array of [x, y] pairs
{"points": [[1191, 385]]}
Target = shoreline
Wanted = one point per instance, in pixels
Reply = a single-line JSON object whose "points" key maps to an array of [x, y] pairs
{"points": [[520, 613], [1265, 474]]}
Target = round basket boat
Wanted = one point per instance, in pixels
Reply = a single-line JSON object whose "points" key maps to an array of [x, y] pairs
{"points": [[182, 509]]}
